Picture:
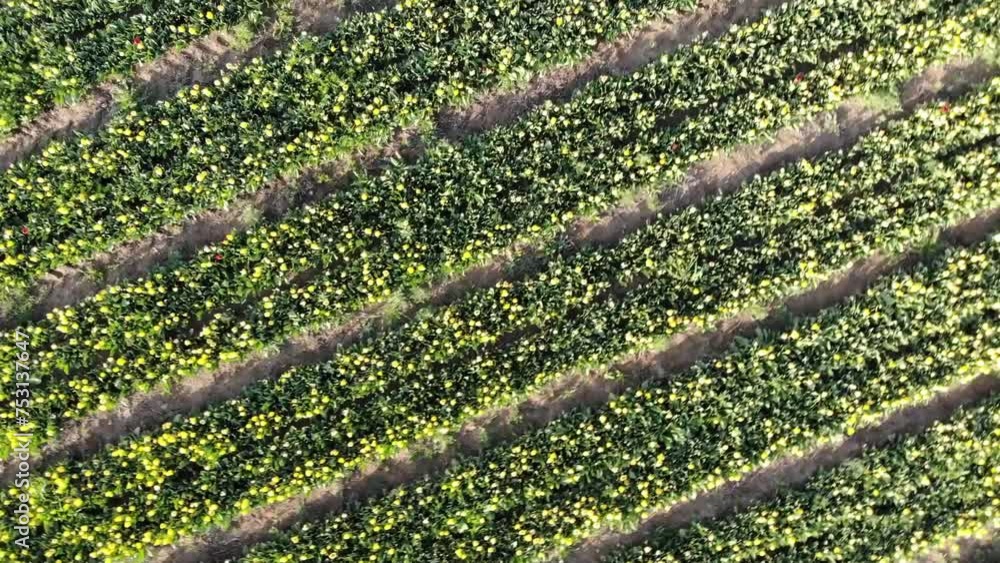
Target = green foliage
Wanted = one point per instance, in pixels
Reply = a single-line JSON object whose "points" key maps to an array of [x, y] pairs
{"points": [[243, 35], [883, 100]]}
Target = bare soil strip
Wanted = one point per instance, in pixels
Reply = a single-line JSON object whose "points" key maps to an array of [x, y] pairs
{"points": [[197, 63], [975, 551], [144, 410], [594, 388], [729, 169], [317, 17], [89, 114], [790, 472]]}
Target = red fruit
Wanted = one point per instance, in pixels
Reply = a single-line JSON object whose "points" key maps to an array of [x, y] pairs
{"points": [[800, 77], [218, 258], [945, 108], [137, 40], [24, 231]]}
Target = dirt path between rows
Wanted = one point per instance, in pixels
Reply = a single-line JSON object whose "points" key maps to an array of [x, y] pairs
{"points": [[145, 410], [966, 549], [729, 169], [68, 285], [620, 57]]}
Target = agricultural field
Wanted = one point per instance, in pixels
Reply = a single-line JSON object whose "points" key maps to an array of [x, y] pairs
{"points": [[54, 52], [500, 281]]}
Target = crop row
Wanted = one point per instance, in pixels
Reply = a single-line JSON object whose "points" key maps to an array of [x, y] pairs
{"points": [[776, 236], [315, 101], [773, 396], [52, 52], [890, 505], [459, 204]]}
